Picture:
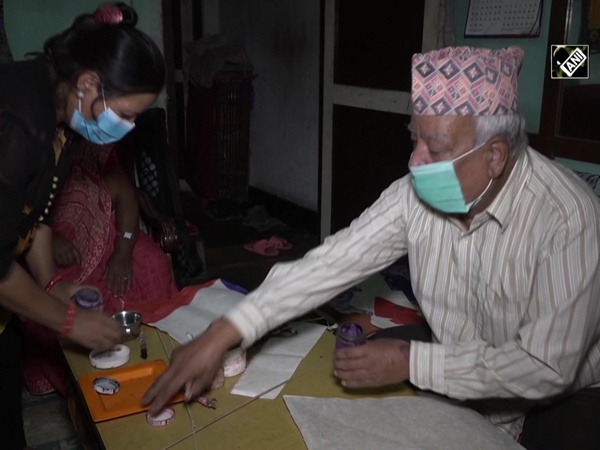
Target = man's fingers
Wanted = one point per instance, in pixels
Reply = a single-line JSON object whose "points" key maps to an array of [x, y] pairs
{"points": [[151, 392], [350, 358], [168, 384], [349, 363], [357, 378], [359, 351], [193, 389], [359, 384], [348, 375], [161, 391]]}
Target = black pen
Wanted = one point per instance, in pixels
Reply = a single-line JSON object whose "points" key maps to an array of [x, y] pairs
{"points": [[143, 348]]}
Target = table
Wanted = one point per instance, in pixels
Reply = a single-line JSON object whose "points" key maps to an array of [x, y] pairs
{"points": [[238, 422]]}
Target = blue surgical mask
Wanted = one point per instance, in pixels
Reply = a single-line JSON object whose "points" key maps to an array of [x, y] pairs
{"points": [[107, 129], [437, 185]]}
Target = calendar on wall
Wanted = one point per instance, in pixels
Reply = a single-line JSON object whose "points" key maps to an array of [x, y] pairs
{"points": [[504, 18]]}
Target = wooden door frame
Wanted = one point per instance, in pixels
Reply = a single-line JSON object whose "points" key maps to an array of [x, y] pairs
{"points": [[366, 98], [548, 139]]}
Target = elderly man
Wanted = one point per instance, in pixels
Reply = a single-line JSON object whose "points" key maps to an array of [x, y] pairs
{"points": [[504, 255]]}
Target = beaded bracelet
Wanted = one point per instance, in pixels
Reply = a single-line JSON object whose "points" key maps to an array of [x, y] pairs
{"points": [[68, 322], [53, 282]]}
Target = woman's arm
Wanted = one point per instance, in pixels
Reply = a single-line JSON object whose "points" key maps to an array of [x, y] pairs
{"points": [[41, 307], [124, 198], [20, 294], [39, 256], [41, 263]]}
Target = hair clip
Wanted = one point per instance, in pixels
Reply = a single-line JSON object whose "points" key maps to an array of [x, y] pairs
{"points": [[108, 14]]}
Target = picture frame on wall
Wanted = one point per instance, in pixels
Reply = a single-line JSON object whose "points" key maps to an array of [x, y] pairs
{"points": [[504, 19]]}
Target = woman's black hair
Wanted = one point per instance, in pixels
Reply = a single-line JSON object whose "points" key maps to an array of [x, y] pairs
{"points": [[107, 42]]}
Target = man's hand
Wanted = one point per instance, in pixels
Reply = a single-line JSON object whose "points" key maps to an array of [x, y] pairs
{"points": [[64, 252], [193, 366], [376, 363]]}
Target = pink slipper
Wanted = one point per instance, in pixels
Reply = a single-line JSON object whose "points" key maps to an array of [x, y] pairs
{"points": [[262, 247], [279, 243]]}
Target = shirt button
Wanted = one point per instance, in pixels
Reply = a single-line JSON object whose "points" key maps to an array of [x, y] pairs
{"points": [[55, 179], [53, 185], [51, 195], [41, 219]]}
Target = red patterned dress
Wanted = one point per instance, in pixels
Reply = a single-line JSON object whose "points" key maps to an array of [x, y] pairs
{"points": [[83, 214]]}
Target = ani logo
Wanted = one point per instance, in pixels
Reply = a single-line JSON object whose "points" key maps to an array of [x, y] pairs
{"points": [[570, 61]]}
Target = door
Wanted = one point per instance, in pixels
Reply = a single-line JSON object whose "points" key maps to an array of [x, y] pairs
{"points": [[367, 54]]}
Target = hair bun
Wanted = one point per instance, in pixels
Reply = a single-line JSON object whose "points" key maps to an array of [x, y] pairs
{"points": [[115, 14]]}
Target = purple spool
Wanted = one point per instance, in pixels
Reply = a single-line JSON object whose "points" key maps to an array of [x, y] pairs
{"points": [[349, 335], [88, 298]]}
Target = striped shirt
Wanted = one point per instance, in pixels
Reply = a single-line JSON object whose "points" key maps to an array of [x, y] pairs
{"points": [[513, 301]]}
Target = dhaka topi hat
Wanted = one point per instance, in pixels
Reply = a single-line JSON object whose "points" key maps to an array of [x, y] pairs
{"points": [[466, 81]]}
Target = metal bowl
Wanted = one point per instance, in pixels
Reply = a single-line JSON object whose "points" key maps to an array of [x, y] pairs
{"points": [[130, 322]]}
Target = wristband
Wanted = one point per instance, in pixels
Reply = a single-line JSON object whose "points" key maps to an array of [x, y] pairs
{"points": [[129, 235], [53, 282], [68, 322]]}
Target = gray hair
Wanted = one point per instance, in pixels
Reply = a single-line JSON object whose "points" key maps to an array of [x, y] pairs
{"points": [[511, 127]]}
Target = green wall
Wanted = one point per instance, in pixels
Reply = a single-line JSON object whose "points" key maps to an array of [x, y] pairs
{"points": [[30, 22], [533, 71]]}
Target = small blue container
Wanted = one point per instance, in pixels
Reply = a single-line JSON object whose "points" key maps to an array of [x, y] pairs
{"points": [[349, 334], [88, 298]]}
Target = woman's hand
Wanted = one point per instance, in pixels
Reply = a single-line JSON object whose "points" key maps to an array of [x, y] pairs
{"points": [[64, 290], [64, 252], [380, 362], [22, 295], [119, 272], [95, 330], [193, 366], [124, 200]]}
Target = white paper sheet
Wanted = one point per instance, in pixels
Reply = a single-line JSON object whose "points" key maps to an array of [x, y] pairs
{"points": [[207, 305], [277, 361], [397, 423]]}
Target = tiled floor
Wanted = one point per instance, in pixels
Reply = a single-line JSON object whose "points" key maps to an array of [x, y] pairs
{"points": [[47, 424]]}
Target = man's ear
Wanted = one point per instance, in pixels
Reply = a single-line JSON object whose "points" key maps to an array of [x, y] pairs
{"points": [[88, 83], [499, 154]]}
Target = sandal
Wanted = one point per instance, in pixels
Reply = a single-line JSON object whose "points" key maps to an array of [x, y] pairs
{"points": [[279, 243], [262, 247]]}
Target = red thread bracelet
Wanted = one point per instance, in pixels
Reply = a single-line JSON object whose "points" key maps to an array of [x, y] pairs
{"points": [[53, 282], [68, 322]]}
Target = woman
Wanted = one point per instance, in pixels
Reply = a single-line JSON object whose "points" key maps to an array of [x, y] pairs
{"points": [[95, 242], [94, 78]]}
